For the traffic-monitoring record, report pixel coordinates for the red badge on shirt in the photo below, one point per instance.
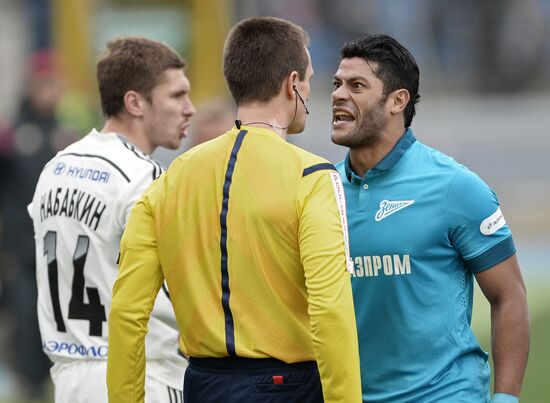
(278, 379)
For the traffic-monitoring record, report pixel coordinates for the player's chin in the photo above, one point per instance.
(339, 137)
(174, 144)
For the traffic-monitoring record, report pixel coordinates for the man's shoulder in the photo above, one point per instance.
(309, 161)
(459, 173)
(109, 151)
(434, 163)
(140, 163)
(424, 152)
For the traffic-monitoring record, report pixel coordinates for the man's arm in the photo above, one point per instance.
(332, 316)
(504, 288)
(139, 280)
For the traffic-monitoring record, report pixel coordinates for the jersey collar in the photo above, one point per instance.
(388, 162)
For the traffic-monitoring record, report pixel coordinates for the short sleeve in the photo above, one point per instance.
(476, 225)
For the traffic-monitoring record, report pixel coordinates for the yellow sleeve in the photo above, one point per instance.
(323, 251)
(139, 280)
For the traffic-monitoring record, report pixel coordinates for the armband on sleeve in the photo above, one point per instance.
(504, 398)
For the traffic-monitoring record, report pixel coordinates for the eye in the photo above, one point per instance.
(358, 85)
(335, 85)
(179, 94)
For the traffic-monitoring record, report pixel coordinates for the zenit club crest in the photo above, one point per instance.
(388, 207)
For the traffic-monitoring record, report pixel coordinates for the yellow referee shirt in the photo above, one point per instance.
(249, 232)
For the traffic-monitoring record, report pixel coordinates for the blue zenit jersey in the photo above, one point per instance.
(420, 226)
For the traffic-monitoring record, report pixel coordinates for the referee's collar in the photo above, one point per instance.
(388, 162)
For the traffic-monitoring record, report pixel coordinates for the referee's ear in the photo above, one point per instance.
(399, 100)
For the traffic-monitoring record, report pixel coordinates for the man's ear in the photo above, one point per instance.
(400, 99)
(290, 84)
(133, 103)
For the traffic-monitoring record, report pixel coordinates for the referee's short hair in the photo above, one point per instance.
(259, 53)
(132, 63)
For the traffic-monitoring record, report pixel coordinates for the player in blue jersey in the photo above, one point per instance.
(422, 226)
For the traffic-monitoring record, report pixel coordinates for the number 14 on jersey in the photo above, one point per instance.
(93, 311)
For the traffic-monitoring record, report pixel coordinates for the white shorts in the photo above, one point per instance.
(85, 382)
(158, 392)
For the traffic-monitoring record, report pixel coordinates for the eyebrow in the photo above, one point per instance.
(180, 92)
(352, 78)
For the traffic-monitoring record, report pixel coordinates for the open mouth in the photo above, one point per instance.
(342, 117)
(183, 130)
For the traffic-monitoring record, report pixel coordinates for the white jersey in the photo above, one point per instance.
(80, 208)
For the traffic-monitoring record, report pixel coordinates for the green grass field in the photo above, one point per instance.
(536, 387)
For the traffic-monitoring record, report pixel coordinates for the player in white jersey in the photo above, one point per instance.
(80, 208)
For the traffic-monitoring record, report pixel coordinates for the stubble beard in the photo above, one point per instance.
(368, 132)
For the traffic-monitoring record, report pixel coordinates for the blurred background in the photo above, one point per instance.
(485, 100)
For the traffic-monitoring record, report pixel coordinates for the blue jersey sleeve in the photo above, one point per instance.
(475, 223)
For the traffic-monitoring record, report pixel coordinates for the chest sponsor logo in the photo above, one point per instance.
(385, 265)
(492, 223)
(59, 168)
(388, 207)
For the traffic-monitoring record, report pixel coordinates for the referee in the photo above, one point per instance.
(250, 234)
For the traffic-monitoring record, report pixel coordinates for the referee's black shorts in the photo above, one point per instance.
(246, 380)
